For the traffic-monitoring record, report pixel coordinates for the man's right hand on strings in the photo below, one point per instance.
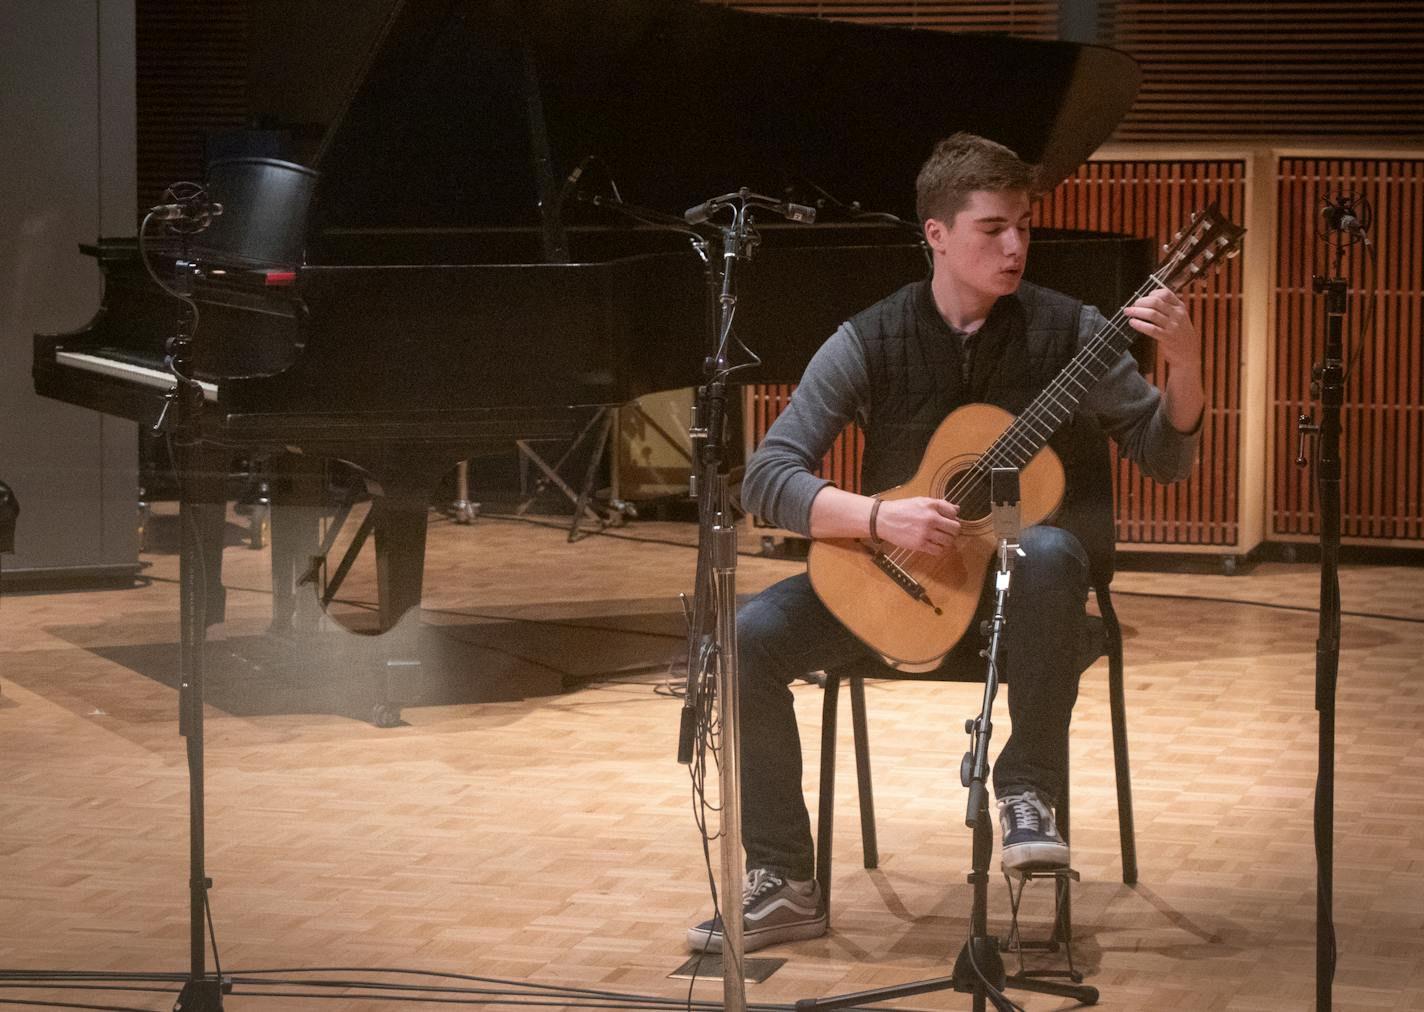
(922, 523)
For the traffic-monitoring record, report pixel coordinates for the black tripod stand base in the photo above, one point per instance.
(1081, 993)
(200, 995)
(964, 980)
(990, 964)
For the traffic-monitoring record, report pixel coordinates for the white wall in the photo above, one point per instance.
(67, 175)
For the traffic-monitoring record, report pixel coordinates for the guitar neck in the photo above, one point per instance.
(1035, 426)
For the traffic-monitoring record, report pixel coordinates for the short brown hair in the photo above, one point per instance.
(961, 164)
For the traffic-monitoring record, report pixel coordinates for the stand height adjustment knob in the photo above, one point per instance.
(1305, 426)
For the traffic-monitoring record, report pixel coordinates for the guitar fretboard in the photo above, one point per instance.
(1031, 430)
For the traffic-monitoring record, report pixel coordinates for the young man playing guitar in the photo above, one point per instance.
(972, 332)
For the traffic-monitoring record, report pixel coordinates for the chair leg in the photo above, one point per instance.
(1063, 898)
(825, 804)
(870, 849)
(1117, 704)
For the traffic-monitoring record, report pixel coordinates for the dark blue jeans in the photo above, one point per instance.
(785, 632)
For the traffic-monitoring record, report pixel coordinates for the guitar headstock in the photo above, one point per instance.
(1208, 238)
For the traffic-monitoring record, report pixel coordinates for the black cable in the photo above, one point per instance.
(706, 741)
(1368, 322)
(68, 1004)
(582, 997)
(530, 1002)
(997, 998)
(58, 986)
(514, 518)
(1266, 604)
(243, 975)
(153, 975)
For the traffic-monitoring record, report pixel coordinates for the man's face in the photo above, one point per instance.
(983, 250)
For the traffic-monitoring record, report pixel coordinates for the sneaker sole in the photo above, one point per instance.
(1035, 856)
(699, 940)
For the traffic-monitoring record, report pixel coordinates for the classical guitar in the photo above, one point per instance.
(912, 607)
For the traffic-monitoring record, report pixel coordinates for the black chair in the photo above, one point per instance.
(1087, 511)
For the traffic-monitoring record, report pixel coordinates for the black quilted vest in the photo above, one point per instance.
(917, 378)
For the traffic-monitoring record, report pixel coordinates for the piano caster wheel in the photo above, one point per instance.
(386, 715)
(144, 514)
(465, 511)
(620, 512)
(258, 527)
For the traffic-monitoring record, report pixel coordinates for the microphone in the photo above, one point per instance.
(798, 212)
(1339, 215)
(791, 212)
(571, 180)
(197, 209)
(697, 215)
(168, 212)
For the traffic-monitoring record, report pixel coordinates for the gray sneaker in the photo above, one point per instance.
(774, 910)
(1031, 839)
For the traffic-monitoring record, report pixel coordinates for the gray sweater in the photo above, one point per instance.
(779, 484)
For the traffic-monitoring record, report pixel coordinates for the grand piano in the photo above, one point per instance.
(473, 270)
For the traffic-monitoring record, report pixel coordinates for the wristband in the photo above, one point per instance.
(874, 509)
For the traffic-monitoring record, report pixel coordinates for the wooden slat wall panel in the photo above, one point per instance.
(763, 402)
(192, 80)
(1216, 70)
(1382, 439)
(1034, 19)
(1155, 198)
(1303, 68)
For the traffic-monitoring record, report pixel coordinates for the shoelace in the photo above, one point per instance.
(759, 882)
(1025, 812)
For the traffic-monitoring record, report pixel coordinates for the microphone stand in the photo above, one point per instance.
(182, 418)
(1328, 381)
(712, 661)
(979, 968)
(712, 636)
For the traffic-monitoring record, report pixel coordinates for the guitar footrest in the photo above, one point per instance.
(1060, 936)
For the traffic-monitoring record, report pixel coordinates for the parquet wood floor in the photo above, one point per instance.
(551, 839)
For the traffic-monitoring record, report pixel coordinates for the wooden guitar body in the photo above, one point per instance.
(905, 628)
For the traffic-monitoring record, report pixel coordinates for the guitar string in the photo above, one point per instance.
(975, 477)
(1014, 448)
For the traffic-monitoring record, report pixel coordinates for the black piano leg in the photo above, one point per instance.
(296, 527)
(400, 524)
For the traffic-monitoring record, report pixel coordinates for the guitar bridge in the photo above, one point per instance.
(903, 579)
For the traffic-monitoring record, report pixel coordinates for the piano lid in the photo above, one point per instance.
(470, 109)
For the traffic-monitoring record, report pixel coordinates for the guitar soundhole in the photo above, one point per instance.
(968, 488)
